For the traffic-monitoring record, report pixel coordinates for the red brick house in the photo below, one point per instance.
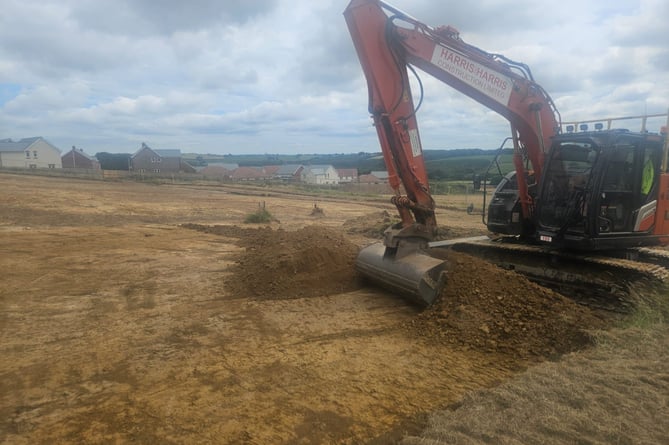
(347, 175)
(150, 160)
(76, 158)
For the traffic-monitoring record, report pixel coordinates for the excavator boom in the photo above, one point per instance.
(389, 43)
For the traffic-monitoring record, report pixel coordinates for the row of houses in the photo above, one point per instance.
(308, 174)
(36, 152)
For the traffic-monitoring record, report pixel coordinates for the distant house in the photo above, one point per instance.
(216, 171)
(381, 174)
(373, 184)
(271, 170)
(186, 167)
(150, 160)
(347, 175)
(249, 174)
(370, 179)
(320, 175)
(76, 158)
(35, 152)
(289, 173)
(226, 165)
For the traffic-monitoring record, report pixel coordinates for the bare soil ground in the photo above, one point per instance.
(146, 313)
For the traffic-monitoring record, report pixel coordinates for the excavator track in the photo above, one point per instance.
(598, 281)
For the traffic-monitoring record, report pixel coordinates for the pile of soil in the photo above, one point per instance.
(371, 225)
(482, 307)
(489, 309)
(374, 224)
(280, 264)
(239, 233)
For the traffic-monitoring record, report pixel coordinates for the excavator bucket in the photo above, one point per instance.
(411, 272)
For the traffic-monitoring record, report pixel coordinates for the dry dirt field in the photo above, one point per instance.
(153, 314)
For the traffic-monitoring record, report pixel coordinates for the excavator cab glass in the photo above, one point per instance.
(600, 191)
(567, 185)
(629, 186)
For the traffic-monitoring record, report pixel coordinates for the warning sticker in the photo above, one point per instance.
(415, 143)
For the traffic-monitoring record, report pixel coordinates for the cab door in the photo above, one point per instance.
(628, 191)
(644, 215)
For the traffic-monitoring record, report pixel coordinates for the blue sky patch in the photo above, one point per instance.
(8, 91)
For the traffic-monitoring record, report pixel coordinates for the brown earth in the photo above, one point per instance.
(309, 262)
(482, 307)
(145, 313)
(486, 308)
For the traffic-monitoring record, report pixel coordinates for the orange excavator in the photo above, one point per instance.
(575, 191)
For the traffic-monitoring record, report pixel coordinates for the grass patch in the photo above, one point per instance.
(262, 215)
(652, 307)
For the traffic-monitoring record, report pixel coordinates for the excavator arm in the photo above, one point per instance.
(392, 109)
(389, 44)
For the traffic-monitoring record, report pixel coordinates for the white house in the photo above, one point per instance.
(320, 175)
(33, 152)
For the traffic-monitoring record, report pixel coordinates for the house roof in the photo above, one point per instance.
(381, 174)
(226, 165)
(288, 169)
(8, 145)
(81, 152)
(346, 172)
(368, 179)
(320, 169)
(168, 153)
(248, 173)
(271, 169)
(216, 170)
(163, 153)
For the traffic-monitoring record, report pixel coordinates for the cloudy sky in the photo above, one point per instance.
(279, 76)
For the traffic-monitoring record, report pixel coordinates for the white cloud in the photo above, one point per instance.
(279, 76)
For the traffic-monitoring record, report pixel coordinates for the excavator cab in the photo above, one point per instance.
(599, 190)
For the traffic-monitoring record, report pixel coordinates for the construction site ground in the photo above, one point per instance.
(152, 313)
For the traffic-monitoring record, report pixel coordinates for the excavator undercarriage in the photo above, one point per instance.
(608, 281)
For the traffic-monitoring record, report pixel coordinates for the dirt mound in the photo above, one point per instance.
(312, 261)
(239, 233)
(374, 224)
(317, 212)
(482, 307)
(371, 225)
(486, 308)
